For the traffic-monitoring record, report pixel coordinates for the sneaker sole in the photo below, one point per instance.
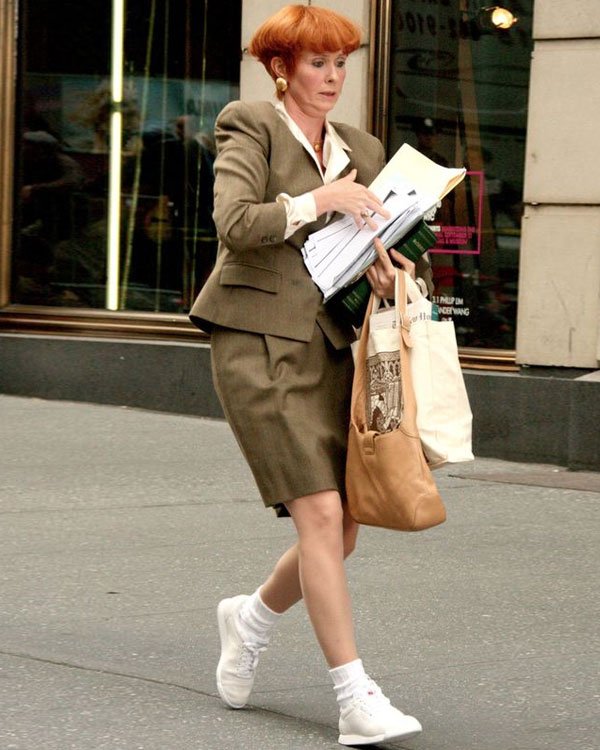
(361, 739)
(222, 637)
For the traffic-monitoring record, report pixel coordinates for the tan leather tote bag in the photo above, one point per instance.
(388, 482)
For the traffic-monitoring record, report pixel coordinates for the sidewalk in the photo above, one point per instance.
(120, 530)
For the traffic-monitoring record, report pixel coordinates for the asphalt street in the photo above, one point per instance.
(121, 529)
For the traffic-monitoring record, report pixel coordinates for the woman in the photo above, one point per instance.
(281, 363)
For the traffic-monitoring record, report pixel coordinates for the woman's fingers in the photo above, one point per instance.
(377, 205)
(404, 263)
(365, 217)
(366, 214)
(381, 283)
(360, 202)
(382, 255)
(349, 197)
(369, 221)
(373, 203)
(351, 176)
(381, 275)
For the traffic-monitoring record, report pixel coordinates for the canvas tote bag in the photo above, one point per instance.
(388, 482)
(444, 417)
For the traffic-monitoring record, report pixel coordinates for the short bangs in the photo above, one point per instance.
(298, 28)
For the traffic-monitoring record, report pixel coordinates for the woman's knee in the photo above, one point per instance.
(321, 513)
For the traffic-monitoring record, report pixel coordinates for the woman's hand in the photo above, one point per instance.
(382, 274)
(349, 197)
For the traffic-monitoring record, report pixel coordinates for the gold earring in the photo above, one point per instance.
(281, 84)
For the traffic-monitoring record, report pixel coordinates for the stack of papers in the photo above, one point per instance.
(409, 185)
(341, 252)
(430, 180)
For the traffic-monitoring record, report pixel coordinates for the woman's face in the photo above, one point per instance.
(317, 81)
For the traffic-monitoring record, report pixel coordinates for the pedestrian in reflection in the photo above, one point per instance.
(426, 131)
(281, 363)
(49, 178)
(426, 135)
(196, 215)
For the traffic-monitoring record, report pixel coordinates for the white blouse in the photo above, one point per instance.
(302, 209)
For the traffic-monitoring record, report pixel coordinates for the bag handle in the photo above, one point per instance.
(377, 301)
(400, 303)
(416, 289)
(358, 402)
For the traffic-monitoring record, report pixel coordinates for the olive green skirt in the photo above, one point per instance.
(288, 404)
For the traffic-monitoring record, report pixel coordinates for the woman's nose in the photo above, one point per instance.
(332, 73)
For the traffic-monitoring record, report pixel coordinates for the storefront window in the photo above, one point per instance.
(115, 148)
(458, 92)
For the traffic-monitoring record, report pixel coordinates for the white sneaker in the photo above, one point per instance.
(371, 718)
(237, 665)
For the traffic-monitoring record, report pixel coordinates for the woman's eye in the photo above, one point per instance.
(318, 63)
(340, 63)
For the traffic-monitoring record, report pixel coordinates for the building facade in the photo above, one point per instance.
(106, 234)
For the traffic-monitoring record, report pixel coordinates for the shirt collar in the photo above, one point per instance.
(335, 136)
(334, 147)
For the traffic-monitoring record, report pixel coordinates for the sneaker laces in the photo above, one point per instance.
(249, 658)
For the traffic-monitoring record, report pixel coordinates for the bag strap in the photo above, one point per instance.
(358, 402)
(422, 286)
(358, 415)
(416, 289)
(400, 303)
(409, 416)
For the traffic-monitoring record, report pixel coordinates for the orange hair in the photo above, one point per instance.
(296, 28)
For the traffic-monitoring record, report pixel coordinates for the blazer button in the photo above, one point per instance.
(264, 239)
(273, 238)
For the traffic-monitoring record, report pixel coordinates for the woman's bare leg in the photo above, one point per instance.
(314, 570)
(313, 567)
(282, 588)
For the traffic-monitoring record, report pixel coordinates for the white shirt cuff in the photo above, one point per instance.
(299, 211)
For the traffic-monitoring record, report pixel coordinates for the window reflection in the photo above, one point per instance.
(458, 93)
(181, 68)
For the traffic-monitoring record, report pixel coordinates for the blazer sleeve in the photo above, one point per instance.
(244, 222)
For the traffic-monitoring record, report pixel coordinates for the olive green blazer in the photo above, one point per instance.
(260, 283)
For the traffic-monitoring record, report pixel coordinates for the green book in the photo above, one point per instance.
(350, 303)
(418, 241)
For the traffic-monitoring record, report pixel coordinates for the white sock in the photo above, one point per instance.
(257, 620)
(347, 680)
